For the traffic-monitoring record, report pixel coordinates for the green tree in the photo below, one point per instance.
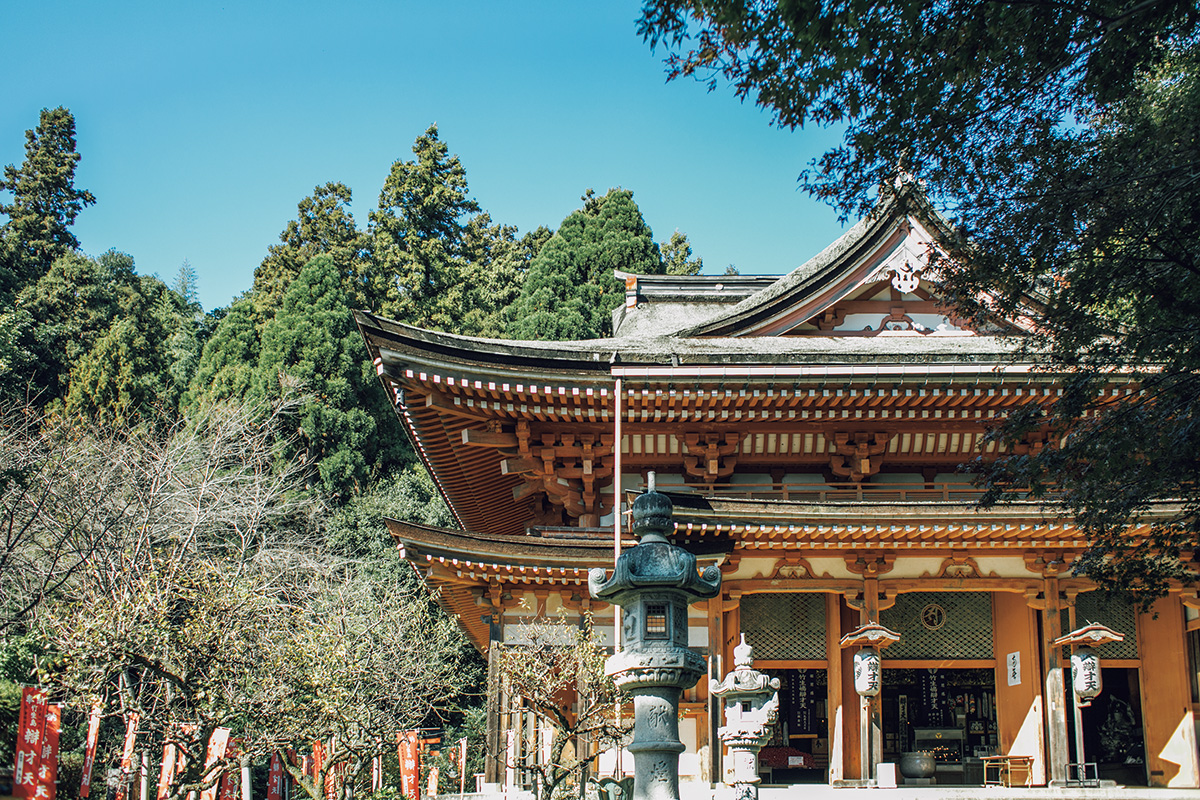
(1060, 141)
(497, 263)
(183, 316)
(228, 363)
(419, 237)
(126, 372)
(677, 256)
(75, 304)
(357, 530)
(45, 201)
(323, 226)
(570, 290)
(311, 343)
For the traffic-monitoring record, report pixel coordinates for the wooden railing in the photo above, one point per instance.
(961, 492)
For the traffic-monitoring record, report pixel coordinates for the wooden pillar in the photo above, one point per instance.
(851, 753)
(1167, 717)
(1018, 685)
(836, 713)
(1054, 690)
(716, 669)
(493, 764)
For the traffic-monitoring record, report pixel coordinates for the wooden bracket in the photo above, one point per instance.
(791, 567)
(857, 455)
(870, 565)
(730, 564)
(1049, 563)
(709, 456)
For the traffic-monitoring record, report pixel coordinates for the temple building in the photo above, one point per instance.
(810, 431)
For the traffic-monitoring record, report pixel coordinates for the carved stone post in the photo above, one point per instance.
(654, 583)
(751, 707)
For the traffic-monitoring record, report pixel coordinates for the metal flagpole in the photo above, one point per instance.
(618, 392)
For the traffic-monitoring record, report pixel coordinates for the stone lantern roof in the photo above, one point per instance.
(655, 563)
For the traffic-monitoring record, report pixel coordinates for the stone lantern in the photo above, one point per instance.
(654, 583)
(751, 707)
(1085, 676)
(868, 671)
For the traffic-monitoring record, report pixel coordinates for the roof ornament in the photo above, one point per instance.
(906, 278)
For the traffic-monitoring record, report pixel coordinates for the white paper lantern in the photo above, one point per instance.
(866, 672)
(1085, 675)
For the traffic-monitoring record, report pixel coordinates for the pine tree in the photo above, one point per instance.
(228, 363)
(570, 291)
(311, 343)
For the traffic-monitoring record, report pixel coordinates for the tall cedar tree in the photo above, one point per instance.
(44, 202)
(570, 291)
(1061, 139)
(419, 237)
(323, 226)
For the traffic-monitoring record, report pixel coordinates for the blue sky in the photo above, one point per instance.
(201, 125)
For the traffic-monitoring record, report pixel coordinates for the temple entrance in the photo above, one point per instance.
(798, 751)
(1112, 728)
(950, 713)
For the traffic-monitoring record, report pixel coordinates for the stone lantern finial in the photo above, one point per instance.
(743, 655)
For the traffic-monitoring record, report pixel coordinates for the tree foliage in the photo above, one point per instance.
(323, 226)
(45, 201)
(570, 291)
(311, 343)
(1061, 142)
(419, 235)
(677, 256)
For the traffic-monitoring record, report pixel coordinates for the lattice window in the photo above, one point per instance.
(787, 625)
(1115, 612)
(940, 625)
(656, 620)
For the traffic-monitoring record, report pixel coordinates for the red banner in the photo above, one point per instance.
(231, 779)
(47, 773)
(167, 773)
(89, 751)
(410, 765)
(31, 725)
(216, 751)
(318, 761)
(275, 778)
(131, 725)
